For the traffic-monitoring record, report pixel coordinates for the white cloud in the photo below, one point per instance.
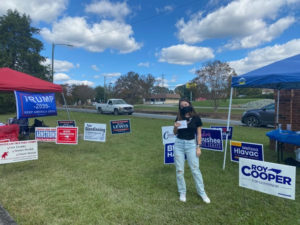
(264, 56)
(111, 74)
(193, 70)
(39, 10)
(265, 35)
(77, 65)
(80, 82)
(174, 79)
(59, 65)
(107, 9)
(185, 54)
(96, 76)
(94, 67)
(167, 8)
(61, 77)
(243, 20)
(162, 82)
(94, 37)
(145, 64)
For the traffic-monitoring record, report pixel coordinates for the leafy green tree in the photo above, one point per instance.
(19, 50)
(82, 93)
(216, 76)
(133, 88)
(99, 94)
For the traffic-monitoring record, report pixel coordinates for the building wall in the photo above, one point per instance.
(289, 112)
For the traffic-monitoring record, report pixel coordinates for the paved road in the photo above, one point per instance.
(159, 116)
(198, 107)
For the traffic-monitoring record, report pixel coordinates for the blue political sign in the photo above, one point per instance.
(211, 139)
(120, 126)
(169, 153)
(246, 150)
(35, 104)
(224, 129)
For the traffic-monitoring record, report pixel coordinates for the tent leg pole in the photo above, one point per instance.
(228, 122)
(65, 103)
(277, 117)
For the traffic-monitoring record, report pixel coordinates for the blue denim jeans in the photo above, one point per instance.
(188, 148)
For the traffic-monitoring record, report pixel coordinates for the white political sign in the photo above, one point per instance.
(167, 134)
(18, 151)
(95, 132)
(270, 178)
(183, 124)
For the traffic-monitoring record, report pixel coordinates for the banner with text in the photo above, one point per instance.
(18, 151)
(120, 126)
(224, 129)
(212, 139)
(66, 123)
(35, 104)
(246, 150)
(270, 178)
(94, 132)
(45, 134)
(169, 153)
(167, 134)
(67, 135)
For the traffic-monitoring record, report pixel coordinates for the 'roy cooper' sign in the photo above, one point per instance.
(270, 178)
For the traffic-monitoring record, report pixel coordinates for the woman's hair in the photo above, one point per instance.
(193, 112)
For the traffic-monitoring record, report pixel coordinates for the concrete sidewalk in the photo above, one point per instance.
(5, 218)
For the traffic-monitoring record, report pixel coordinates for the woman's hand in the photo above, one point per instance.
(198, 151)
(177, 124)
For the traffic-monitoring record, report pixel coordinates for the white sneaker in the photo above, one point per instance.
(205, 199)
(182, 197)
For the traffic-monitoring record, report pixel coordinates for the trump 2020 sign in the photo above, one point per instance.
(35, 104)
(270, 178)
(211, 139)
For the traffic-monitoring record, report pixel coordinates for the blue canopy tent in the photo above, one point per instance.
(283, 74)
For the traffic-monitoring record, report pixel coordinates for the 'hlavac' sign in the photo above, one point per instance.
(35, 104)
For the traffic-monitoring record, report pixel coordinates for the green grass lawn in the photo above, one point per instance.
(124, 181)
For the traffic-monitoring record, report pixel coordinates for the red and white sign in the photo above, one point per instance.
(67, 135)
(4, 140)
(18, 151)
(45, 134)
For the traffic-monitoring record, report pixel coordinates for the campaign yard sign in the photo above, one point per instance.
(212, 139)
(270, 178)
(94, 132)
(67, 135)
(167, 134)
(18, 151)
(45, 134)
(246, 150)
(35, 104)
(224, 129)
(169, 153)
(120, 126)
(66, 123)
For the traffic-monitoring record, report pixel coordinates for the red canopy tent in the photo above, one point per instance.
(12, 80)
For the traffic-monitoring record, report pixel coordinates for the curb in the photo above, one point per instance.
(5, 218)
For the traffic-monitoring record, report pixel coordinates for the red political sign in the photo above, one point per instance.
(67, 135)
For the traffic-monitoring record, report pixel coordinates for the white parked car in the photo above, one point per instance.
(115, 106)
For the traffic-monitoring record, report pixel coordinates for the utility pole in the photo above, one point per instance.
(162, 80)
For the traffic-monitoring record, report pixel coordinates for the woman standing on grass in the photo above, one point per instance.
(185, 144)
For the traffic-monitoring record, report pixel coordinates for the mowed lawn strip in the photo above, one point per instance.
(124, 181)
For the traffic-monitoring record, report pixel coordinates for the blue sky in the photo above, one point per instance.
(172, 38)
